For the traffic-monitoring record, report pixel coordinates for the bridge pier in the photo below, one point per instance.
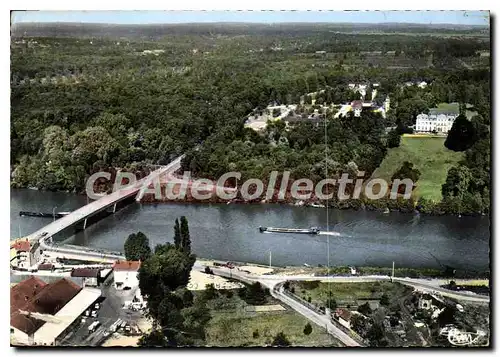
(114, 208)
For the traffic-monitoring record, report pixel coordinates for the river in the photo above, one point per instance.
(230, 232)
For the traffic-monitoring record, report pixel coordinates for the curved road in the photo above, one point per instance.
(273, 282)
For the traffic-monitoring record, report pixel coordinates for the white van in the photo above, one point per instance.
(93, 326)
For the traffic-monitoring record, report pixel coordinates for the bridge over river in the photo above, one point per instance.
(44, 235)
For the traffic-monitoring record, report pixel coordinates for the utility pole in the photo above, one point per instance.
(392, 271)
(270, 259)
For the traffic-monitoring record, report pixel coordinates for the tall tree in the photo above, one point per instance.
(137, 247)
(177, 234)
(185, 238)
(462, 135)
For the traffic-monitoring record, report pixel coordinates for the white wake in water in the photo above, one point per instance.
(336, 234)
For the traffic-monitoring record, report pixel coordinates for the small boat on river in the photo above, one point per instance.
(312, 230)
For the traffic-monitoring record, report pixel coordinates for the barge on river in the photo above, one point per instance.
(312, 230)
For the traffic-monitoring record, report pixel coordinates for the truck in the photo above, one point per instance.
(93, 326)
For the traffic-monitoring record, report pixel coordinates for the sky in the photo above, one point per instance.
(154, 17)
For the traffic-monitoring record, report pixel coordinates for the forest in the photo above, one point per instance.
(82, 104)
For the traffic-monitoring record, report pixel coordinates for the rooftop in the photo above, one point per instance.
(127, 265)
(85, 273)
(344, 314)
(21, 245)
(39, 297)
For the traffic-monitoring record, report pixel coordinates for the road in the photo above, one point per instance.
(110, 311)
(273, 282)
(274, 285)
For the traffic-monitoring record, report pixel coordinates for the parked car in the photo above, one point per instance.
(97, 306)
(94, 313)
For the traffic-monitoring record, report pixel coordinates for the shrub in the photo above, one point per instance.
(307, 329)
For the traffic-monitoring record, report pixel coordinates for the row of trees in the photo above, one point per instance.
(179, 319)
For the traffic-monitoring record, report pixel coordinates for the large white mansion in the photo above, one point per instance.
(439, 122)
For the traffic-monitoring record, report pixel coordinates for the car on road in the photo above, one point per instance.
(93, 326)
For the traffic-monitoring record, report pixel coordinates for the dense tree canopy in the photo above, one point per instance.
(137, 247)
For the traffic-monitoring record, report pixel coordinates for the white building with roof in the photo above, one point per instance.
(126, 274)
(440, 123)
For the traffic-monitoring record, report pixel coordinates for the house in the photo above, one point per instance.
(435, 121)
(425, 302)
(387, 104)
(90, 276)
(344, 317)
(20, 253)
(422, 85)
(357, 106)
(42, 313)
(125, 274)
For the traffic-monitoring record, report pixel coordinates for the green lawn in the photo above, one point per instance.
(428, 155)
(348, 292)
(232, 325)
(454, 107)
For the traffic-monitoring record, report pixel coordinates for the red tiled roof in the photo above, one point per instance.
(127, 265)
(23, 291)
(48, 299)
(21, 245)
(344, 314)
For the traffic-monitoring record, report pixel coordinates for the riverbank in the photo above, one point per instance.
(480, 278)
(447, 207)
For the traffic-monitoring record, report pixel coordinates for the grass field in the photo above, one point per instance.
(348, 292)
(233, 325)
(428, 155)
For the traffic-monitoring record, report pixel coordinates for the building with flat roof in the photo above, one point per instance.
(41, 313)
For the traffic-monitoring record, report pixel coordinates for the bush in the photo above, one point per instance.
(208, 270)
(255, 334)
(365, 309)
(210, 292)
(280, 340)
(308, 329)
(384, 300)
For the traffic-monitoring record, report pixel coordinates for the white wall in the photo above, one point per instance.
(126, 278)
